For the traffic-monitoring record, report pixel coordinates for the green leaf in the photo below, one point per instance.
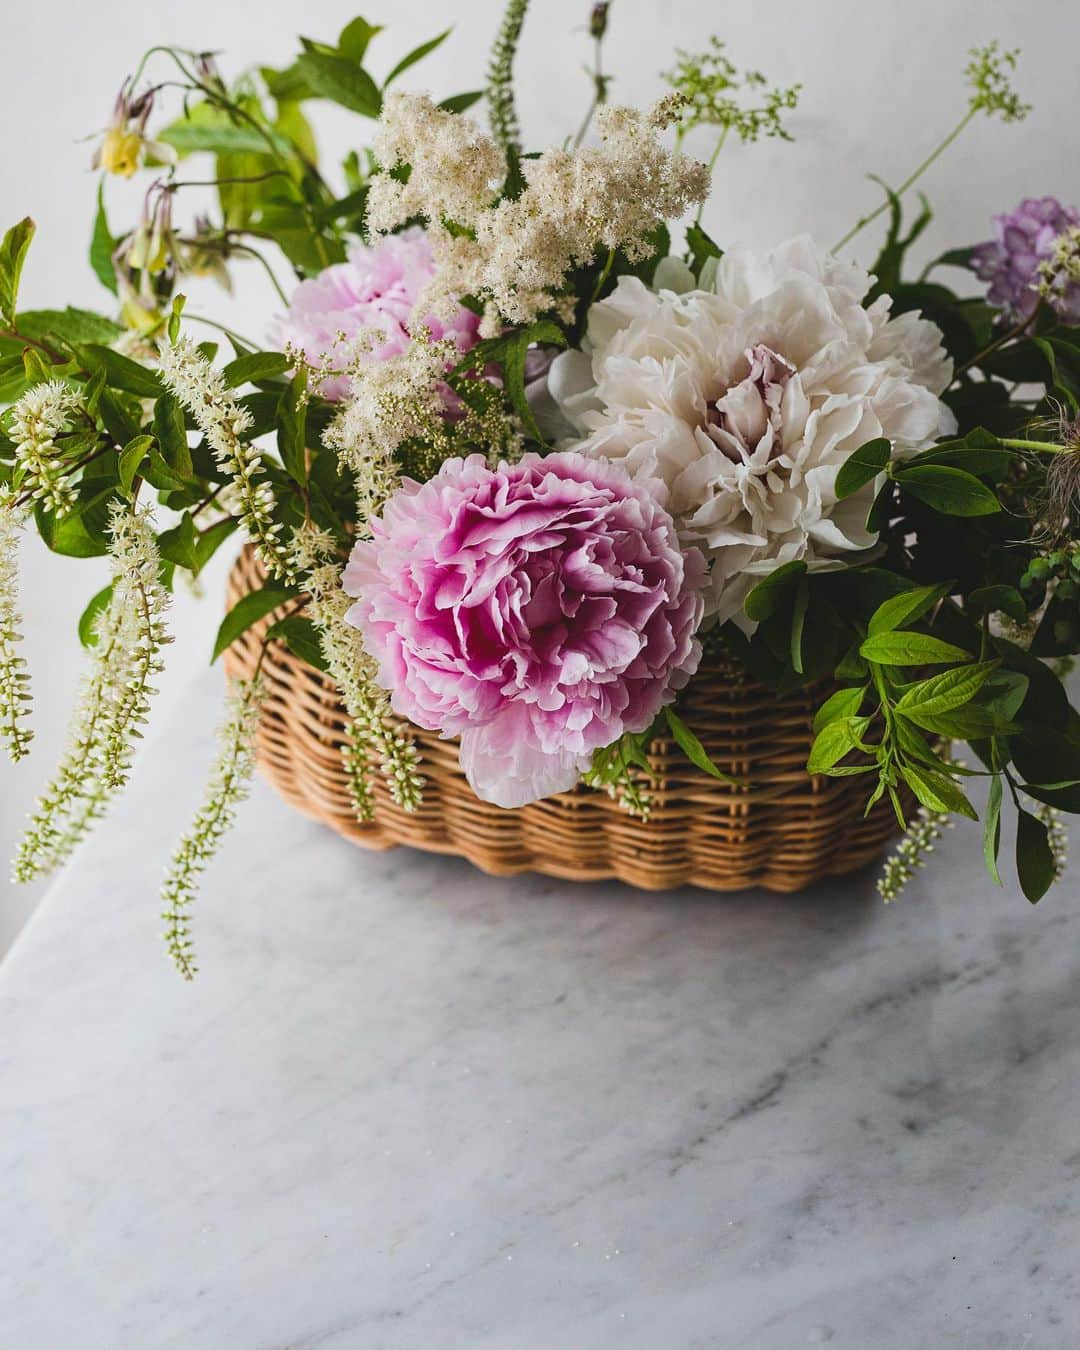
(249, 610)
(910, 649)
(913, 743)
(171, 435)
(949, 689)
(88, 618)
(251, 369)
(692, 748)
(417, 54)
(1043, 755)
(292, 423)
(178, 545)
(798, 623)
(130, 458)
(1005, 692)
(862, 466)
(701, 246)
(1034, 856)
(971, 722)
(835, 739)
(211, 539)
(103, 245)
(355, 38)
(768, 595)
(302, 638)
(73, 325)
(937, 791)
(844, 703)
(1064, 378)
(121, 371)
(342, 81)
(905, 607)
(84, 531)
(207, 128)
(951, 492)
(992, 829)
(13, 249)
(990, 599)
(459, 103)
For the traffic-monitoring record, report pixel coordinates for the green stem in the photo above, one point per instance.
(1017, 329)
(712, 165)
(908, 182)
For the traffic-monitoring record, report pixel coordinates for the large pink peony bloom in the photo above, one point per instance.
(537, 610)
(376, 288)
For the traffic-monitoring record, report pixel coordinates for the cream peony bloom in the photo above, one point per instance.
(745, 391)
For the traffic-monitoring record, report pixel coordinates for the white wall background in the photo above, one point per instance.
(881, 83)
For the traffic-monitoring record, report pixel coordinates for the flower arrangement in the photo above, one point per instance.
(512, 455)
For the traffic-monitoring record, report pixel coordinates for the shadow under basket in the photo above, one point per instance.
(778, 828)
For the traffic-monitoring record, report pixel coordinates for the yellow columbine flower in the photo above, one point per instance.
(120, 152)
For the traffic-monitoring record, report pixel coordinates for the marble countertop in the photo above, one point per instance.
(407, 1106)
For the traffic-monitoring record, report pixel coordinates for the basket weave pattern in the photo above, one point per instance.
(779, 828)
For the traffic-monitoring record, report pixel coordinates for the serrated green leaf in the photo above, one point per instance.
(1034, 856)
(692, 748)
(905, 607)
(937, 791)
(947, 690)
(843, 703)
(950, 491)
(835, 740)
(910, 649)
(248, 610)
(862, 466)
(13, 249)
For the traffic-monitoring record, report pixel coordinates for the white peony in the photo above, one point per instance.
(745, 391)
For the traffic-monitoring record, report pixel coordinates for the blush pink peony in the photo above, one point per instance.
(376, 288)
(537, 611)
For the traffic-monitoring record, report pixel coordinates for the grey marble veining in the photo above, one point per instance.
(409, 1107)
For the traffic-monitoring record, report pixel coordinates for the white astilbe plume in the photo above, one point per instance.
(113, 702)
(390, 403)
(14, 678)
(576, 201)
(374, 733)
(37, 418)
(201, 388)
(229, 785)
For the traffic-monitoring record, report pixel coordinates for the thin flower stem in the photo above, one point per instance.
(712, 165)
(909, 181)
(1016, 331)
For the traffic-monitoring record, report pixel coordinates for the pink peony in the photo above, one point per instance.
(537, 610)
(376, 288)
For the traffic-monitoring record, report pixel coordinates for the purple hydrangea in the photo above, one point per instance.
(537, 610)
(1023, 239)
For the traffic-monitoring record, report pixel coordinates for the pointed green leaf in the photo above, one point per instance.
(13, 250)
(88, 618)
(937, 791)
(342, 81)
(862, 466)
(773, 590)
(910, 649)
(904, 608)
(355, 39)
(835, 739)
(949, 689)
(844, 703)
(692, 748)
(257, 366)
(130, 458)
(292, 428)
(417, 54)
(1034, 856)
(102, 245)
(178, 545)
(302, 638)
(248, 610)
(992, 829)
(952, 492)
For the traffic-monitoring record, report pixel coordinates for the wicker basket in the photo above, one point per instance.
(782, 831)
